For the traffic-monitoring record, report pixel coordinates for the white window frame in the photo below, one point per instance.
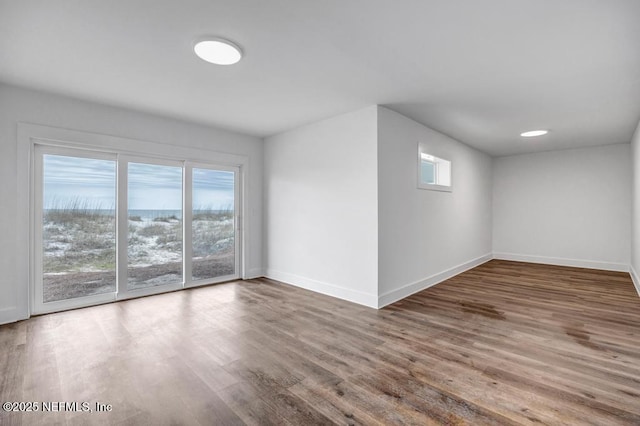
(123, 237)
(188, 254)
(38, 305)
(422, 151)
(91, 145)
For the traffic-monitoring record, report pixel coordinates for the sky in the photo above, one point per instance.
(92, 182)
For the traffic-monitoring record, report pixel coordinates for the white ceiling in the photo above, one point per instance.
(480, 71)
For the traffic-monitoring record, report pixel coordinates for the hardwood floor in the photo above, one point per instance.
(504, 343)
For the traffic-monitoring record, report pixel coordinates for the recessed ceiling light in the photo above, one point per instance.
(218, 51)
(533, 133)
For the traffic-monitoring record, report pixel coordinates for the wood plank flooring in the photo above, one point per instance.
(505, 343)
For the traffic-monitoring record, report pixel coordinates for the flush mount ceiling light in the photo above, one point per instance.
(534, 133)
(218, 51)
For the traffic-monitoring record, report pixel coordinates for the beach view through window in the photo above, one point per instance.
(154, 248)
(78, 227)
(213, 231)
(79, 250)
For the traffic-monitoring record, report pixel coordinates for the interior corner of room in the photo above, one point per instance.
(335, 207)
(361, 212)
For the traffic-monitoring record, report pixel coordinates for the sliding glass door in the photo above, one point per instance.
(109, 227)
(77, 226)
(213, 224)
(154, 224)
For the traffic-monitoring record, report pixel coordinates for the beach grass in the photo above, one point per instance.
(79, 245)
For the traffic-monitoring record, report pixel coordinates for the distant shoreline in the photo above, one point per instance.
(148, 213)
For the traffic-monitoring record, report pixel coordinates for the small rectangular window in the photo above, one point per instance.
(433, 172)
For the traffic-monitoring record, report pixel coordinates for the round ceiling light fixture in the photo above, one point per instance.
(218, 51)
(534, 133)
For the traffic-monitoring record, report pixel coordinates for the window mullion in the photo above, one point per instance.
(122, 228)
(187, 227)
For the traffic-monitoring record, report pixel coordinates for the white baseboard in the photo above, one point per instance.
(254, 273)
(9, 315)
(635, 278)
(411, 288)
(559, 261)
(361, 298)
(371, 300)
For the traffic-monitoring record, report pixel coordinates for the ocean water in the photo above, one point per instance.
(153, 214)
(146, 214)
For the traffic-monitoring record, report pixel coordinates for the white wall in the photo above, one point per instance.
(22, 105)
(321, 207)
(343, 215)
(564, 207)
(427, 236)
(635, 212)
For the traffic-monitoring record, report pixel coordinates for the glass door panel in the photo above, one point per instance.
(78, 227)
(154, 249)
(213, 224)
